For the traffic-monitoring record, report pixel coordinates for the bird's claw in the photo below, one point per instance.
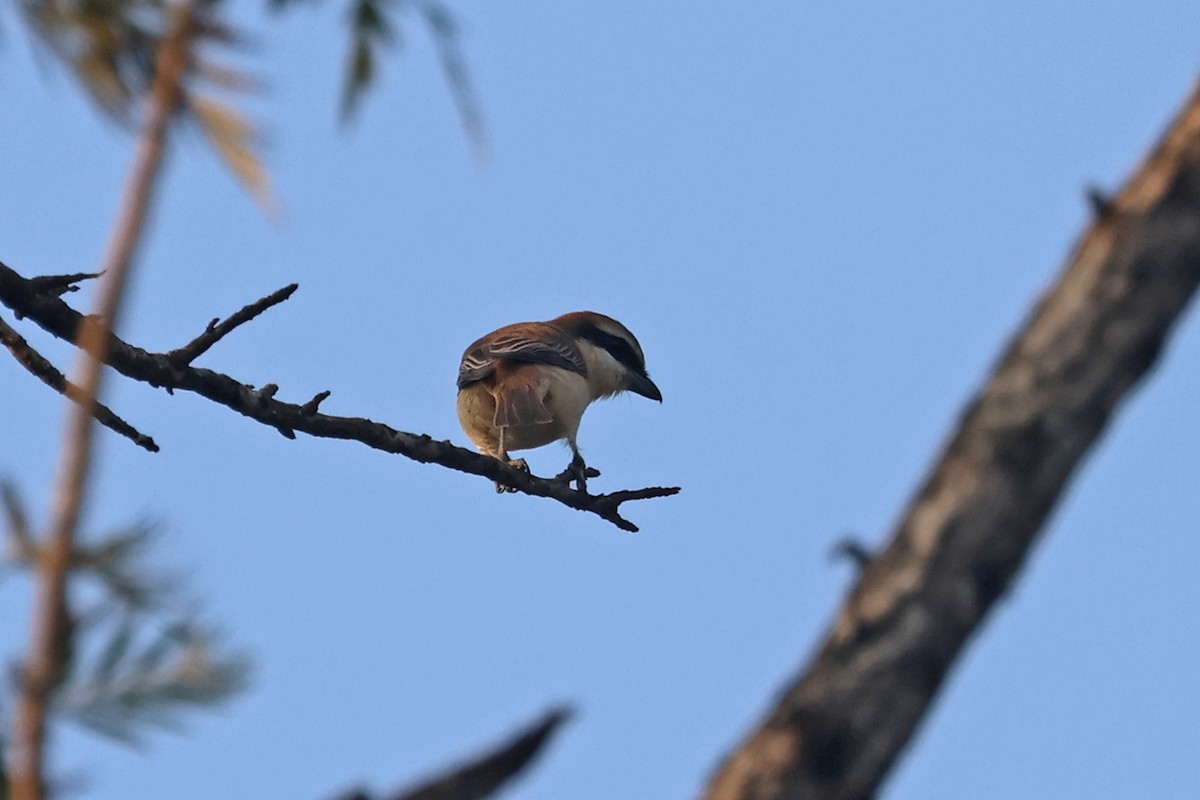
(518, 463)
(577, 472)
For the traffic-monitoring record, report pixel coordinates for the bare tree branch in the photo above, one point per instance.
(851, 549)
(62, 284)
(837, 730)
(215, 332)
(43, 370)
(158, 369)
(484, 775)
(312, 405)
(52, 619)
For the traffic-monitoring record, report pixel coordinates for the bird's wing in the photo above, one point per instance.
(528, 342)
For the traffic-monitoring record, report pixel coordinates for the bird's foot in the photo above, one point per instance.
(520, 464)
(577, 472)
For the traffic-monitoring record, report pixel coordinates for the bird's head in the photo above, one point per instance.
(615, 359)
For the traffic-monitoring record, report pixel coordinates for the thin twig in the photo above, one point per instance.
(43, 661)
(60, 284)
(483, 776)
(156, 369)
(215, 332)
(608, 506)
(43, 370)
(312, 405)
(851, 549)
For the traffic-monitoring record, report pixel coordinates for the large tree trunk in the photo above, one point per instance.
(838, 729)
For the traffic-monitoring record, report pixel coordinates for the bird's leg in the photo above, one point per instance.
(577, 471)
(519, 463)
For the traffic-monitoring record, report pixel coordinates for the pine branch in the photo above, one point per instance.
(45, 657)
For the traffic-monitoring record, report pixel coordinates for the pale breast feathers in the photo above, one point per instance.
(528, 342)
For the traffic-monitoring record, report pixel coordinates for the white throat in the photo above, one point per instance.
(606, 375)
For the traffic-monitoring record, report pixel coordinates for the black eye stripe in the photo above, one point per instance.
(617, 346)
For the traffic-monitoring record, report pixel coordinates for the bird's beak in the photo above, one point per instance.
(641, 384)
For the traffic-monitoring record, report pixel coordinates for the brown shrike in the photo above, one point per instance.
(528, 384)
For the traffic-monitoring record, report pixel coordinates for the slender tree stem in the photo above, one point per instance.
(51, 629)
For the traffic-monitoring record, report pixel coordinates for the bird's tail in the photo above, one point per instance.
(520, 402)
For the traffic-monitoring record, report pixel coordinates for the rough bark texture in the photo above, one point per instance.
(838, 729)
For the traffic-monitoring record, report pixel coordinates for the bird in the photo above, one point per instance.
(527, 384)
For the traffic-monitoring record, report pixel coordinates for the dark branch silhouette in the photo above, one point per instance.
(838, 728)
(47, 373)
(851, 549)
(173, 370)
(217, 330)
(482, 776)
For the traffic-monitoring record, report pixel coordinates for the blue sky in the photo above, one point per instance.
(822, 222)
